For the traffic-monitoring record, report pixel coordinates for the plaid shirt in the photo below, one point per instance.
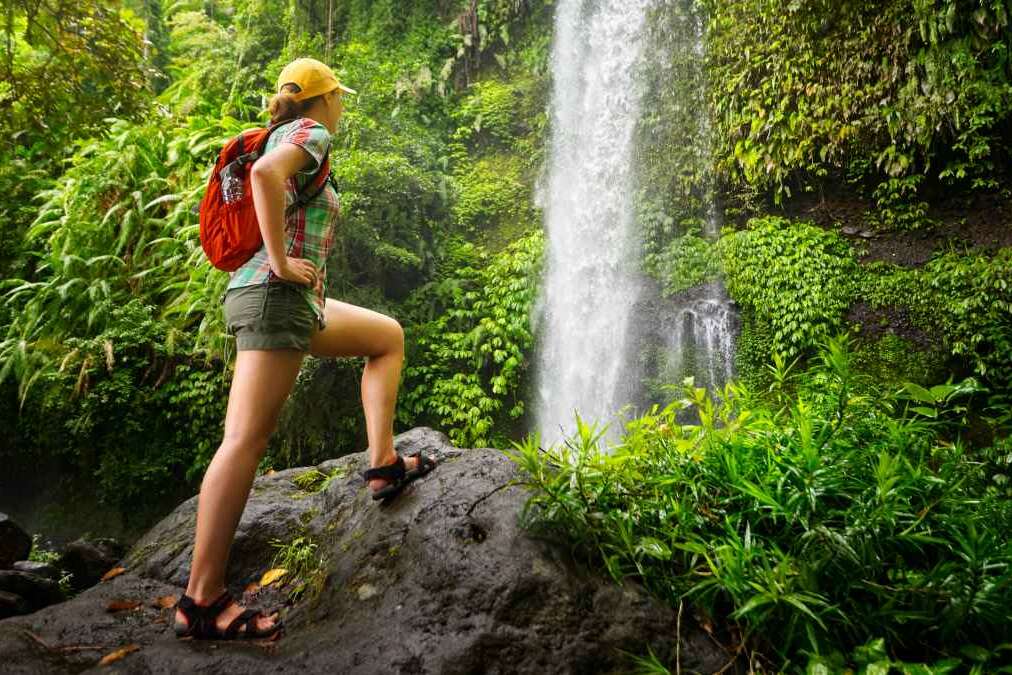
(309, 232)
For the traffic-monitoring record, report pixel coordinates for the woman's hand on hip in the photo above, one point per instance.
(297, 270)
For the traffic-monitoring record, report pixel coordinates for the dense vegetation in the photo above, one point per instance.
(109, 309)
(826, 523)
(827, 511)
(900, 95)
(850, 508)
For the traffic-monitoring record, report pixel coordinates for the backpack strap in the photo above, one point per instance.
(312, 189)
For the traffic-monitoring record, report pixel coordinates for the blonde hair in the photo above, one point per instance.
(283, 106)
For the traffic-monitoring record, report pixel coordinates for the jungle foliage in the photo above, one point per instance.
(471, 351)
(832, 524)
(109, 311)
(797, 281)
(812, 510)
(916, 91)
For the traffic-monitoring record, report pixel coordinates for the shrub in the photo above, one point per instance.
(806, 88)
(486, 114)
(793, 276)
(490, 193)
(470, 356)
(967, 298)
(130, 410)
(814, 523)
(687, 261)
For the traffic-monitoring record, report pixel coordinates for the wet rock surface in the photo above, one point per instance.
(441, 580)
(36, 591)
(15, 543)
(88, 560)
(39, 569)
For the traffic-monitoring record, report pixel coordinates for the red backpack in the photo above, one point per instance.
(229, 231)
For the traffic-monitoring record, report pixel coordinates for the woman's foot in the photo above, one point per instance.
(387, 477)
(410, 464)
(261, 624)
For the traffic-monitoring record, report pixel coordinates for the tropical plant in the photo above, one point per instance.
(472, 341)
(792, 276)
(813, 522)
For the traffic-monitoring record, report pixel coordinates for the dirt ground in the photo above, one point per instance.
(978, 223)
(970, 223)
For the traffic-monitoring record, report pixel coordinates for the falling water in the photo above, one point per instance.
(698, 331)
(590, 280)
(597, 316)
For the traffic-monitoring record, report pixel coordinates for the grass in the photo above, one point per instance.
(307, 569)
(314, 481)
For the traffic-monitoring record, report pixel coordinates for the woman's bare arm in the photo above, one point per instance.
(268, 177)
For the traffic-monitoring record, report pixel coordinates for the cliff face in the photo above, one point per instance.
(442, 580)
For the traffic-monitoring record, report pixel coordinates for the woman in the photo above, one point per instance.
(275, 307)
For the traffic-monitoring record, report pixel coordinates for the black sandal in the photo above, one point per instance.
(398, 475)
(200, 619)
(425, 465)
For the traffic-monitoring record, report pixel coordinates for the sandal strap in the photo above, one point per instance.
(424, 466)
(422, 459)
(392, 472)
(247, 618)
(193, 612)
(200, 619)
(220, 604)
(188, 607)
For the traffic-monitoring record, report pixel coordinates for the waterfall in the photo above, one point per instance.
(590, 281)
(604, 331)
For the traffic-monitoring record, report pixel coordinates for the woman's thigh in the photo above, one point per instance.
(261, 383)
(355, 331)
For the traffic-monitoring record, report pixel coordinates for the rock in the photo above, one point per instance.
(15, 543)
(443, 581)
(12, 604)
(37, 592)
(867, 234)
(850, 230)
(88, 561)
(39, 569)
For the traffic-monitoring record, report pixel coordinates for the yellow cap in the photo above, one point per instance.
(312, 77)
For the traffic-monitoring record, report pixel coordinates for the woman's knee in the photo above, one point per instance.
(246, 443)
(394, 335)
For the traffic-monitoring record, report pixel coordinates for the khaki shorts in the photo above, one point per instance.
(269, 316)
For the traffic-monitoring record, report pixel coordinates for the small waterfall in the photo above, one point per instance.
(698, 329)
(591, 280)
(699, 339)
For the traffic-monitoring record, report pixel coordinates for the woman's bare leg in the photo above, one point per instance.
(355, 331)
(261, 383)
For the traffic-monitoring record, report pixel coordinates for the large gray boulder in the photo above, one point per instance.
(442, 580)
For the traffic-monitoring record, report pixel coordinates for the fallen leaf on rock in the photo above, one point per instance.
(165, 601)
(270, 576)
(114, 572)
(112, 657)
(122, 605)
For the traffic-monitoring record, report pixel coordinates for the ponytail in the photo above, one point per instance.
(284, 108)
